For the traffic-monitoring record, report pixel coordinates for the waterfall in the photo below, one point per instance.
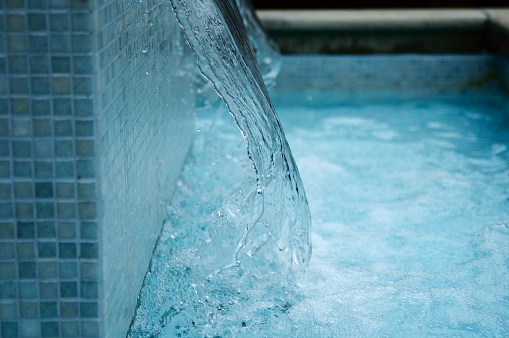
(265, 221)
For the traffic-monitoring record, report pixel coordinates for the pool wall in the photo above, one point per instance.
(95, 122)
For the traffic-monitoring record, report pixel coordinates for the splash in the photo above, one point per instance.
(264, 225)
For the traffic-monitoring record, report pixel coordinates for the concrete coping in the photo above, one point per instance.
(371, 20)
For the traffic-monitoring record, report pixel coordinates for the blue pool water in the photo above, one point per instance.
(410, 212)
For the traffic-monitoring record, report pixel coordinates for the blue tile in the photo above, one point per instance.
(40, 85)
(5, 170)
(58, 4)
(47, 249)
(6, 230)
(27, 270)
(8, 310)
(82, 65)
(48, 270)
(14, 4)
(68, 270)
(5, 190)
(7, 271)
(89, 270)
(41, 107)
(64, 169)
(50, 329)
(48, 290)
(66, 230)
(4, 123)
(4, 148)
(89, 329)
(81, 43)
(9, 329)
(37, 22)
(24, 210)
(18, 64)
(67, 250)
(39, 64)
(43, 169)
(61, 64)
(87, 210)
(27, 290)
(64, 148)
(46, 229)
(83, 108)
(62, 107)
(60, 43)
(70, 329)
(69, 309)
(84, 128)
(26, 230)
(48, 309)
(85, 148)
(23, 190)
(45, 209)
(8, 290)
(7, 251)
(43, 148)
(86, 191)
(6, 210)
(30, 328)
(38, 44)
(89, 250)
(59, 22)
(17, 43)
(22, 169)
(19, 85)
(88, 310)
(44, 190)
(29, 309)
(89, 290)
(21, 127)
(63, 127)
(61, 85)
(65, 190)
(68, 289)
(26, 250)
(42, 127)
(81, 22)
(20, 106)
(15, 22)
(37, 4)
(66, 210)
(21, 148)
(85, 169)
(82, 86)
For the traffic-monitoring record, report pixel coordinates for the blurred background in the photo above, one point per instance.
(359, 4)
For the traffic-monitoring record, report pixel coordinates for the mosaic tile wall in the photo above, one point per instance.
(91, 138)
(407, 74)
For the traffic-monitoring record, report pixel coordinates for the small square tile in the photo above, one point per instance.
(69, 309)
(21, 127)
(68, 289)
(45, 209)
(64, 148)
(89, 270)
(83, 107)
(39, 64)
(62, 107)
(47, 249)
(61, 64)
(18, 4)
(64, 169)
(7, 251)
(6, 210)
(43, 169)
(48, 270)
(88, 310)
(27, 290)
(21, 148)
(37, 22)
(81, 43)
(9, 329)
(22, 169)
(61, 85)
(29, 309)
(84, 148)
(89, 329)
(26, 250)
(48, 309)
(5, 191)
(50, 329)
(37, 4)
(48, 290)
(20, 106)
(6, 230)
(15, 22)
(66, 230)
(82, 85)
(42, 127)
(89, 250)
(26, 230)
(19, 85)
(63, 127)
(41, 107)
(8, 310)
(85, 169)
(38, 44)
(67, 250)
(5, 170)
(7, 270)
(87, 210)
(66, 210)
(17, 43)
(43, 148)
(27, 270)
(59, 22)
(65, 190)
(60, 43)
(86, 191)
(30, 328)
(70, 329)
(68, 270)
(4, 148)
(84, 128)
(46, 229)
(89, 290)
(40, 85)
(18, 64)
(44, 190)
(82, 65)
(8, 290)
(4, 123)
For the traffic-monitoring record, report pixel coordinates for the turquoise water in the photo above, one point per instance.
(410, 206)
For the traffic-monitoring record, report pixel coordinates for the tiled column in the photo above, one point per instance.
(94, 125)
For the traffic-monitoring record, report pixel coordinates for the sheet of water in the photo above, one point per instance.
(410, 206)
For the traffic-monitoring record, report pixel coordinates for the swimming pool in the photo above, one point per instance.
(407, 189)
